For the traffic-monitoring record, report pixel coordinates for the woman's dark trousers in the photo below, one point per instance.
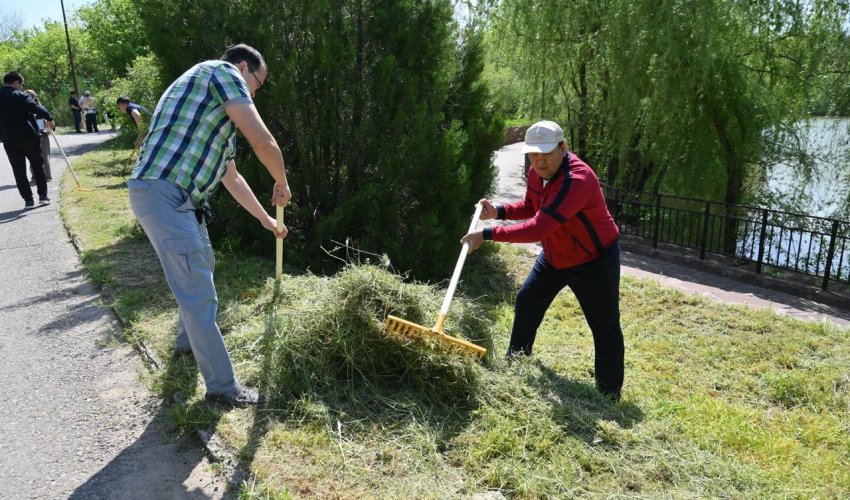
(596, 286)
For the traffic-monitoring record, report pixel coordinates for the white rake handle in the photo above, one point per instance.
(56, 140)
(444, 310)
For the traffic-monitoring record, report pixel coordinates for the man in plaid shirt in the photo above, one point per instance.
(188, 151)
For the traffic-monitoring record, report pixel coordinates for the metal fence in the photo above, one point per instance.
(812, 246)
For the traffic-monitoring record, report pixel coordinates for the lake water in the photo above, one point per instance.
(821, 188)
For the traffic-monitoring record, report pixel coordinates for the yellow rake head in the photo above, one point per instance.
(404, 328)
(408, 329)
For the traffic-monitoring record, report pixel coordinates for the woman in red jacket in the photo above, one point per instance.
(565, 210)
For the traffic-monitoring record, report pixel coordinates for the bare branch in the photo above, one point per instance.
(11, 23)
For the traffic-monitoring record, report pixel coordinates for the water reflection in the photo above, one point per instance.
(817, 183)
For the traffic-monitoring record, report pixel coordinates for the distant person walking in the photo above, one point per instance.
(566, 211)
(76, 110)
(87, 103)
(45, 142)
(136, 113)
(21, 136)
(189, 151)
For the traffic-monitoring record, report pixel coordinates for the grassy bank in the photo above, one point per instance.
(719, 400)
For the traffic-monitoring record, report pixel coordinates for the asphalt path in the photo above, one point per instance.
(75, 420)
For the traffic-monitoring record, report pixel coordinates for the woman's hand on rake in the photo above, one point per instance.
(475, 239)
(488, 210)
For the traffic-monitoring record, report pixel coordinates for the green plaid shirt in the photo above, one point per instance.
(191, 138)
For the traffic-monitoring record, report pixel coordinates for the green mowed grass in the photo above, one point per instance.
(719, 400)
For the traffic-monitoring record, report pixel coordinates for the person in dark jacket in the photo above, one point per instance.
(22, 136)
(45, 143)
(565, 210)
(76, 110)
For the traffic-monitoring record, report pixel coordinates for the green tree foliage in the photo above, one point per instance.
(669, 95)
(378, 107)
(108, 42)
(41, 56)
(116, 31)
(143, 85)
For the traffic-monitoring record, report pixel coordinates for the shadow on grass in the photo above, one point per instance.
(117, 167)
(578, 406)
(369, 406)
(120, 185)
(262, 418)
(119, 142)
(488, 278)
(362, 402)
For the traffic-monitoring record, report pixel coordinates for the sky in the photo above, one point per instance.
(33, 11)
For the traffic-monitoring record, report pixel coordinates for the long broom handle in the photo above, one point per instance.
(56, 140)
(279, 245)
(444, 310)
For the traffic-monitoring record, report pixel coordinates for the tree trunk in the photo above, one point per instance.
(582, 110)
(734, 183)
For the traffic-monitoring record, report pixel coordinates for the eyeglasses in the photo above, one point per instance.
(259, 83)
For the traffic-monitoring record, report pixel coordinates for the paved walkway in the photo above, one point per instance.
(75, 421)
(511, 187)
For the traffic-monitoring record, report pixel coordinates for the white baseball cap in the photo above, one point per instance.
(542, 137)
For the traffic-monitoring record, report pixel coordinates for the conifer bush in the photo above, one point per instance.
(379, 108)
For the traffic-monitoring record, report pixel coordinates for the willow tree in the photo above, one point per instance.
(552, 51)
(378, 106)
(670, 95)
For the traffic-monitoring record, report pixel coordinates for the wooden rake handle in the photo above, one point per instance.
(279, 246)
(444, 310)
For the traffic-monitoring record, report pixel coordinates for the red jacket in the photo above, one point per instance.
(568, 215)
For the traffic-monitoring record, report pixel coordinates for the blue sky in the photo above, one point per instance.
(33, 11)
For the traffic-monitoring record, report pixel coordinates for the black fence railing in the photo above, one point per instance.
(799, 243)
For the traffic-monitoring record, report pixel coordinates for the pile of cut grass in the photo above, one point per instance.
(332, 336)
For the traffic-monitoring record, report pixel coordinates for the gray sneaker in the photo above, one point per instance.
(241, 397)
(29, 204)
(43, 200)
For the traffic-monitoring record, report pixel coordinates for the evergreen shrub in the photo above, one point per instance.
(379, 109)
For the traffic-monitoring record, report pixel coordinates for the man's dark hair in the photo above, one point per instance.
(242, 52)
(122, 100)
(12, 77)
(73, 92)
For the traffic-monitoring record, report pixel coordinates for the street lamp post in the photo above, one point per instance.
(70, 53)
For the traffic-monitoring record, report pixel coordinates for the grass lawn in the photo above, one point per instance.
(719, 401)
